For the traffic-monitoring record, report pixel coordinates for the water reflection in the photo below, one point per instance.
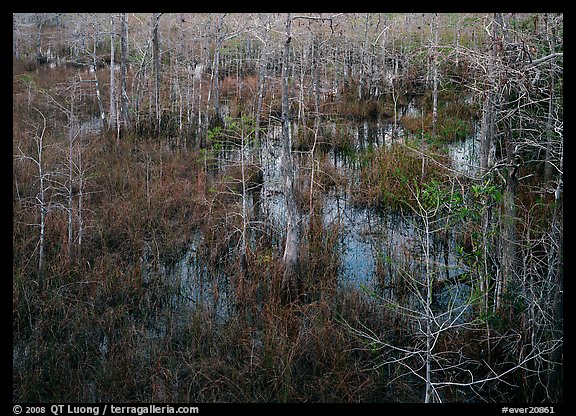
(465, 154)
(378, 248)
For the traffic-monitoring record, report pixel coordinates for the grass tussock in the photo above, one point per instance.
(387, 176)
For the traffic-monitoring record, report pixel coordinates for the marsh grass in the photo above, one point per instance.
(387, 174)
(100, 331)
(104, 329)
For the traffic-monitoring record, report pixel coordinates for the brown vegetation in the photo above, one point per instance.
(146, 269)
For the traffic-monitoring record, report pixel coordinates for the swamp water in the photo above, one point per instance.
(375, 246)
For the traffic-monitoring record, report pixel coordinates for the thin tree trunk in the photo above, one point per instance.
(42, 201)
(316, 74)
(216, 72)
(39, 57)
(156, 66)
(509, 219)
(362, 60)
(487, 131)
(301, 116)
(435, 76)
(549, 124)
(422, 148)
(112, 116)
(216, 82)
(15, 39)
(97, 87)
(316, 65)
(428, 312)
(80, 200)
(124, 71)
(70, 177)
(244, 247)
(556, 279)
(488, 118)
(42, 233)
(261, 80)
(199, 135)
(458, 36)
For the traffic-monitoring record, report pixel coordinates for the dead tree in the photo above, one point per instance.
(124, 117)
(41, 199)
(435, 75)
(290, 258)
(112, 117)
(262, 76)
(156, 67)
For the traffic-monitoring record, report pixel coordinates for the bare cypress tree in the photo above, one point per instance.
(215, 88)
(156, 66)
(435, 74)
(488, 108)
(96, 82)
(112, 122)
(42, 198)
(556, 280)
(262, 76)
(39, 24)
(509, 238)
(15, 38)
(70, 188)
(552, 86)
(290, 257)
(124, 71)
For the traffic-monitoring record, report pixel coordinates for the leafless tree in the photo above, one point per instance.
(42, 198)
(290, 257)
(426, 358)
(112, 117)
(155, 23)
(124, 116)
(435, 80)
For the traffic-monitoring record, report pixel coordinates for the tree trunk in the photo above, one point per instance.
(428, 310)
(124, 71)
(216, 79)
(156, 67)
(556, 279)
(80, 201)
(509, 243)
(458, 36)
(290, 258)
(488, 118)
(42, 200)
(508, 235)
(261, 80)
(435, 75)
(39, 23)
(316, 66)
(301, 82)
(97, 87)
(15, 38)
(549, 125)
(487, 131)
(70, 177)
(42, 233)
(113, 100)
(362, 59)
(244, 244)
